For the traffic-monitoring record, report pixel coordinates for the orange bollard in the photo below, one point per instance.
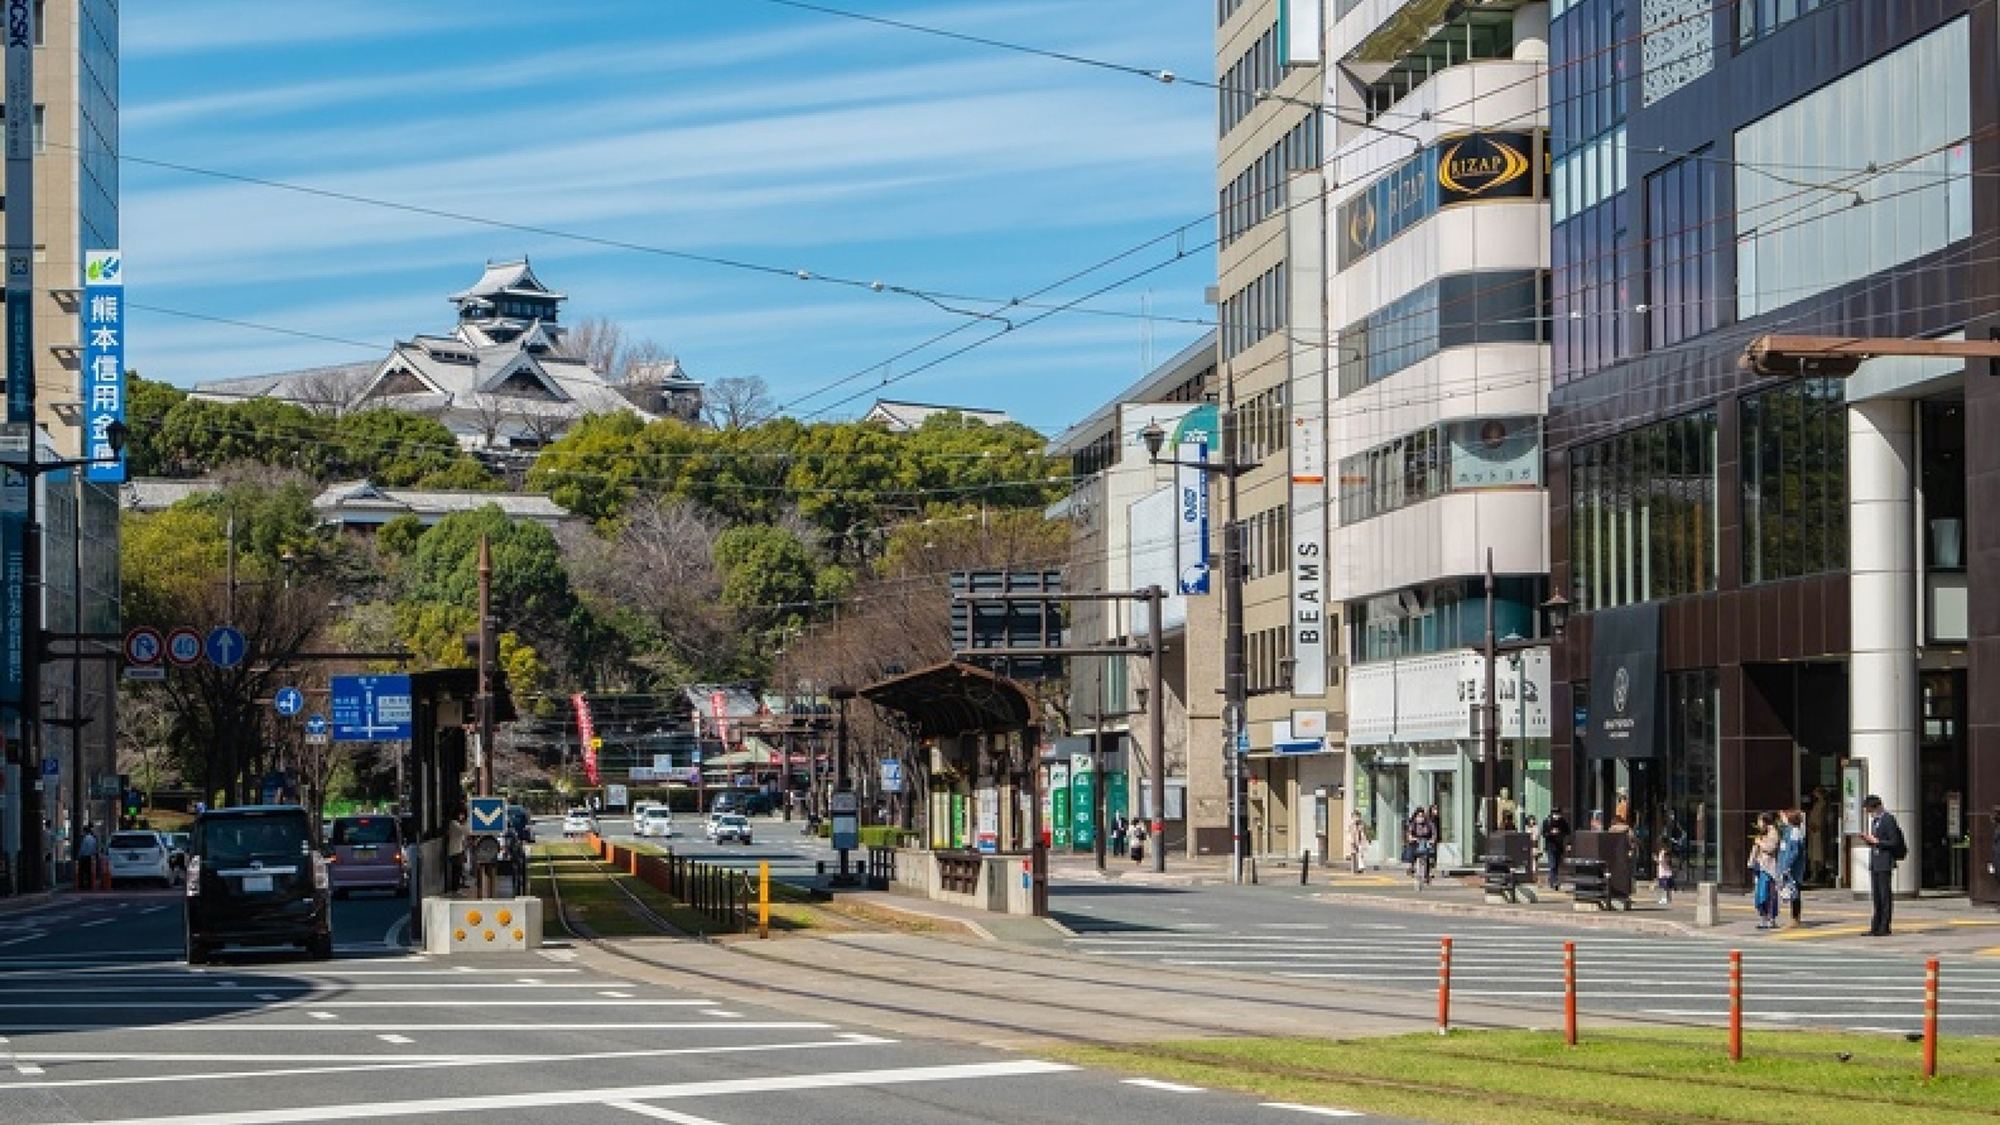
(1735, 1005)
(1569, 993)
(1930, 1018)
(1444, 986)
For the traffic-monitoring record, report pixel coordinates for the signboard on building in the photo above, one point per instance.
(1495, 453)
(1192, 438)
(1436, 698)
(1468, 168)
(1301, 31)
(1625, 683)
(103, 362)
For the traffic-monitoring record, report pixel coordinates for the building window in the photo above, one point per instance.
(1908, 116)
(1254, 312)
(1464, 456)
(1758, 18)
(1443, 616)
(1258, 192)
(1683, 242)
(1258, 69)
(1261, 426)
(1794, 475)
(1643, 514)
(1488, 307)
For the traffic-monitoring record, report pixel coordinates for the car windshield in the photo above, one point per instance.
(241, 839)
(734, 821)
(364, 830)
(658, 814)
(130, 840)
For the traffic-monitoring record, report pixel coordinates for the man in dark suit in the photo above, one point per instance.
(1884, 838)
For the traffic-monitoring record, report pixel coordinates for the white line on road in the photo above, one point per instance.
(29, 1070)
(658, 1114)
(1164, 1087)
(494, 1103)
(1315, 1110)
(617, 995)
(99, 922)
(399, 1040)
(574, 1002)
(260, 995)
(721, 1014)
(261, 1028)
(323, 1015)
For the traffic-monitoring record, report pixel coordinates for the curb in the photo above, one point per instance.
(1605, 921)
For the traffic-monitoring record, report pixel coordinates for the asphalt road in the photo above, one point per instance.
(1322, 942)
(100, 1021)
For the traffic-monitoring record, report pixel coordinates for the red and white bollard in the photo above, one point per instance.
(1930, 1018)
(1569, 993)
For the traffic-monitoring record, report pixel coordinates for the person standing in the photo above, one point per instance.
(1138, 841)
(1663, 874)
(1792, 863)
(86, 859)
(1764, 864)
(1119, 830)
(454, 850)
(1886, 847)
(1423, 843)
(1555, 842)
(1357, 842)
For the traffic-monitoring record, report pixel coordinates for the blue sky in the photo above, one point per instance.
(725, 127)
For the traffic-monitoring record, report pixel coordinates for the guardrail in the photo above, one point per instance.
(881, 868)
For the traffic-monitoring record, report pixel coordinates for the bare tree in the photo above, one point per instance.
(544, 422)
(332, 390)
(609, 349)
(737, 402)
(661, 565)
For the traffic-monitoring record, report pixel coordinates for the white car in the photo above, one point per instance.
(578, 822)
(139, 855)
(730, 827)
(639, 812)
(659, 821)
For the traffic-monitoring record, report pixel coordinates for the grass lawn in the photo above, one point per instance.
(591, 895)
(1641, 1075)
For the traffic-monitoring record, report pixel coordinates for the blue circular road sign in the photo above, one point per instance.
(315, 724)
(289, 701)
(225, 646)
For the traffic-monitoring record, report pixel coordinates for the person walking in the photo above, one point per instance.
(1764, 867)
(1663, 874)
(1886, 848)
(1138, 841)
(1555, 842)
(86, 859)
(1357, 842)
(1120, 828)
(1792, 863)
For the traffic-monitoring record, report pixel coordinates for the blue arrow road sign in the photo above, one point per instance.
(489, 816)
(371, 708)
(289, 701)
(225, 646)
(315, 724)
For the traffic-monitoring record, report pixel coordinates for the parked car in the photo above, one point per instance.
(256, 878)
(732, 828)
(139, 855)
(577, 822)
(659, 822)
(367, 854)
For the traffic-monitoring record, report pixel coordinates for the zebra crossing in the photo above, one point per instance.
(1684, 979)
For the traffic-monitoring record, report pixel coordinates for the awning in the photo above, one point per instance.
(953, 698)
(755, 752)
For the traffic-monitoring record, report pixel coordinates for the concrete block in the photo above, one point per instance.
(482, 925)
(1707, 904)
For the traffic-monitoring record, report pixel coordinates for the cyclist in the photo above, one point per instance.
(1423, 845)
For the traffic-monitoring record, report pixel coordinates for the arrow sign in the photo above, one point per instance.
(489, 816)
(371, 708)
(315, 724)
(225, 646)
(289, 701)
(144, 646)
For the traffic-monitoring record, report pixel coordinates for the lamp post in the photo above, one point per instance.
(1555, 611)
(845, 808)
(1235, 688)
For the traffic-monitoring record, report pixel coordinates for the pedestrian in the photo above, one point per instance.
(1792, 863)
(1120, 828)
(1357, 842)
(1764, 868)
(1138, 836)
(1663, 874)
(1555, 842)
(86, 859)
(1886, 848)
(1423, 835)
(454, 849)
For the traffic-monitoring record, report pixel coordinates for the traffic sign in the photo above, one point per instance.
(184, 647)
(371, 708)
(289, 701)
(489, 816)
(315, 723)
(225, 646)
(144, 646)
(51, 767)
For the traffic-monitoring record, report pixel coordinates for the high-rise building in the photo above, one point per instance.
(76, 211)
(1439, 242)
(1787, 590)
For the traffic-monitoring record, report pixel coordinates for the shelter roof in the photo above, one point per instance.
(954, 698)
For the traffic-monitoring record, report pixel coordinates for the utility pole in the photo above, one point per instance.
(1490, 718)
(485, 704)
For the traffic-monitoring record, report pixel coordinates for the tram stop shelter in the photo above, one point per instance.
(444, 711)
(973, 760)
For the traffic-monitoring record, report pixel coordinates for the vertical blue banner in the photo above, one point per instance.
(103, 361)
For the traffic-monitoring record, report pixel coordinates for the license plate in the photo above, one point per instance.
(256, 884)
(364, 853)
(133, 857)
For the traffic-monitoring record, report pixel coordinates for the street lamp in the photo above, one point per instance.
(1555, 612)
(845, 809)
(1235, 688)
(34, 643)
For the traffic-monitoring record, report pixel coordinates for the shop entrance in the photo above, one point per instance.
(1943, 817)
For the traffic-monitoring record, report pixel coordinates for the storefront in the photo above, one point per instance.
(1415, 742)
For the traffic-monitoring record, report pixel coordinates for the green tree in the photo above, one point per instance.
(392, 447)
(195, 437)
(146, 406)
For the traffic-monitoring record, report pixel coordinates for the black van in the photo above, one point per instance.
(255, 878)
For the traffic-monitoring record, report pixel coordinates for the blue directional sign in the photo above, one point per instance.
(225, 646)
(371, 708)
(316, 725)
(488, 817)
(289, 701)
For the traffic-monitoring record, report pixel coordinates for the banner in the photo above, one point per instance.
(103, 361)
(1192, 439)
(20, 222)
(587, 731)
(1624, 683)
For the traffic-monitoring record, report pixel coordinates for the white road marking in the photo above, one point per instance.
(658, 1114)
(719, 1013)
(29, 1069)
(323, 1015)
(492, 1103)
(225, 984)
(98, 922)
(260, 995)
(259, 1028)
(1292, 926)
(24, 937)
(364, 1064)
(574, 1002)
(1315, 1110)
(152, 910)
(1164, 1087)
(617, 995)
(397, 1039)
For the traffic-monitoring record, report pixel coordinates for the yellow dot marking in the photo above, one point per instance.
(472, 916)
(518, 935)
(489, 935)
(458, 935)
(505, 917)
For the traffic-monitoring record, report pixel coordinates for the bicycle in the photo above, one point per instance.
(1426, 860)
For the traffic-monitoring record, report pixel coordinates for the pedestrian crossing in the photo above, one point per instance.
(1670, 978)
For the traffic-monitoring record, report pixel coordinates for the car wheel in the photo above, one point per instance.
(320, 948)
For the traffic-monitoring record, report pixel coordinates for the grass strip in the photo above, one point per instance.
(1656, 1075)
(590, 893)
